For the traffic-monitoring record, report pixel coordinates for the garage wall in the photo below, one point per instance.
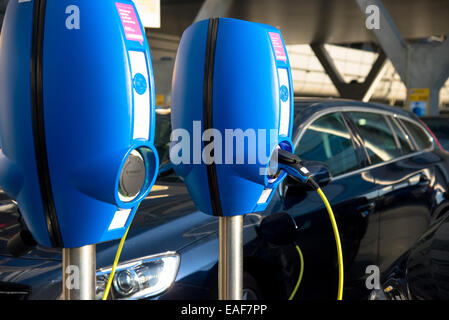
(163, 49)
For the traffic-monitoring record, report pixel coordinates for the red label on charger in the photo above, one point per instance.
(278, 46)
(130, 22)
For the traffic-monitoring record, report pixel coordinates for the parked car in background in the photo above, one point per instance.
(388, 185)
(422, 272)
(440, 127)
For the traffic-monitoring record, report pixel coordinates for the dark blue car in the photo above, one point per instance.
(389, 179)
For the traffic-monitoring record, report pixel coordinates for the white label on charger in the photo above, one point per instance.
(119, 220)
(265, 196)
(285, 105)
(141, 100)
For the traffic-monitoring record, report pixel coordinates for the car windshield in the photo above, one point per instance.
(162, 134)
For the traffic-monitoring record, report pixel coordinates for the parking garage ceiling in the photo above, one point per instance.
(305, 21)
(330, 21)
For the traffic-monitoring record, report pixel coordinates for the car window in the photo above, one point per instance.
(328, 140)
(439, 126)
(377, 136)
(422, 140)
(403, 138)
(162, 135)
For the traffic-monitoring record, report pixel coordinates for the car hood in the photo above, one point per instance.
(167, 220)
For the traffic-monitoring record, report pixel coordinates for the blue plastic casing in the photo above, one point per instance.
(230, 75)
(68, 125)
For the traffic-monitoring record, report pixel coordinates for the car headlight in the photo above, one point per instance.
(140, 278)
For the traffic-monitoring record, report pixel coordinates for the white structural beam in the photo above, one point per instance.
(419, 64)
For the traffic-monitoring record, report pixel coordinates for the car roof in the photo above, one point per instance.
(442, 117)
(305, 106)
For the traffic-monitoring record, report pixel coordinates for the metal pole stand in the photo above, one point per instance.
(230, 260)
(78, 273)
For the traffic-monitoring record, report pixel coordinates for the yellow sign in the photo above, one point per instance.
(160, 100)
(419, 100)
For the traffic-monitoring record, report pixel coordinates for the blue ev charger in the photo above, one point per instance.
(76, 118)
(231, 76)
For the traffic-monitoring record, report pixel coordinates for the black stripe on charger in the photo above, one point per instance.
(208, 111)
(37, 111)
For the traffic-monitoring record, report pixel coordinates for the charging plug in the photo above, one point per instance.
(294, 167)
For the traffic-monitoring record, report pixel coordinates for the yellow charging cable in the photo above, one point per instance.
(338, 243)
(301, 271)
(114, 266)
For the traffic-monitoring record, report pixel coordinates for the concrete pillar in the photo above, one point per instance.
(163, 50)
(163, 75)
(420, 65)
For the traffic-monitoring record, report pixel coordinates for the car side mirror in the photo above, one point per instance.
(320, 172)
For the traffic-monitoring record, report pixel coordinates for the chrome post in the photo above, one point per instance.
(230, 261)
(78, 273)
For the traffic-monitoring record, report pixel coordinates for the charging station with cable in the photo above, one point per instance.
(232, 75)
(77, 132)
(235, 75)
(77, 129)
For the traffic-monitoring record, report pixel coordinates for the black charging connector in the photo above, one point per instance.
(294, 167)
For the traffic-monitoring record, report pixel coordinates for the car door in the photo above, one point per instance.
(329, 140)
(403, 174)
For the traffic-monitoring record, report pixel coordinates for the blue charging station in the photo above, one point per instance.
(231, 75)
(77, 128)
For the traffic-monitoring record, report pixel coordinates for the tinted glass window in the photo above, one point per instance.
(439, 126)
(404, 140)
(419, 136)
(162, 136)
(377, 136)
(328, 140)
